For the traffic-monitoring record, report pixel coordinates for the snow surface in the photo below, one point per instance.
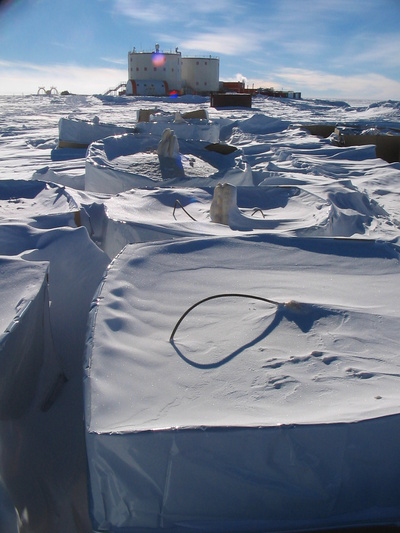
(315, 228)
(304, 358)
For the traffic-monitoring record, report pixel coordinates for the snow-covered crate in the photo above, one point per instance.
(244, 384)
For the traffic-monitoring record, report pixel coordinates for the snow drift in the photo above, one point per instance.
(275, 409)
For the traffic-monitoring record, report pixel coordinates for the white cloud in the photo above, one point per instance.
(150, 12)
(379, 49)
(114, 61)
(318, 83)
(209, 7)
(173, 10)
(222, 42)
(26, 78)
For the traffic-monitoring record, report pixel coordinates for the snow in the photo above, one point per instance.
(258, 415)
(75, 132)
(229, 356)
(25, 335)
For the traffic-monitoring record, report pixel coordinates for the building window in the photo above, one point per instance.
(172, 69)
(145, 69)
(137, 69)
(155, 68)
(197, 62)
(205, 62)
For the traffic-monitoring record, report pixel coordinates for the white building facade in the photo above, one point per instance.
(200, 74)
(160, 73)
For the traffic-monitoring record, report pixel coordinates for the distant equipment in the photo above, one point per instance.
(119, 90)
(230, 100)
(47, 92)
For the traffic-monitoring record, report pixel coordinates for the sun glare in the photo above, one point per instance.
(158, 59)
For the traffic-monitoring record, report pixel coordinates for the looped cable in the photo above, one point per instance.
(215, 296)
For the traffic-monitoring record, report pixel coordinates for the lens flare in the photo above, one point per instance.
(158, 59)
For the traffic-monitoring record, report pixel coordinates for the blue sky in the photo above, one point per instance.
(323, 48)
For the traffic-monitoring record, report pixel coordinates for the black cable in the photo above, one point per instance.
(177, 202)
(227, 295)
(255, 211)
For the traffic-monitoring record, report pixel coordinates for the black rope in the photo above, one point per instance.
(228, 295)
(177, 202)
(255, 211)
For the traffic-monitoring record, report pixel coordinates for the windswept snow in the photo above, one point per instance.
(257, 416)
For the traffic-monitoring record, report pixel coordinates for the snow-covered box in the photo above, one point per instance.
(25, 334)
(244, 384)
(77, 133)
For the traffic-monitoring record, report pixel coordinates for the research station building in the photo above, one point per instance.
(159, 73)
(200, 74)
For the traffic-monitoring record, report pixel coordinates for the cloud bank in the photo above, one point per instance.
(29, 77)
